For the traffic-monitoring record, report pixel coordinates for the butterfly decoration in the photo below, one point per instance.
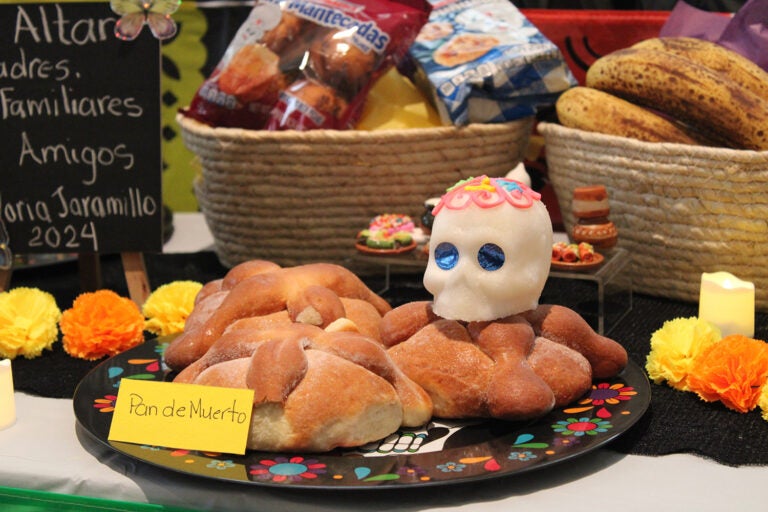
(137, 13)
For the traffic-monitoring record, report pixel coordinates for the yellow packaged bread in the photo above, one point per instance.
(395, 103)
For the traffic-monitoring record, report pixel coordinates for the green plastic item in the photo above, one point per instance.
(22, 500)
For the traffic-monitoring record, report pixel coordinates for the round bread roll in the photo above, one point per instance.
(288, 32)
(338, 62)
(308, 104)
(253, 75)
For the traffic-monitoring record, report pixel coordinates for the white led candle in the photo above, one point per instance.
(728, 302)
(7, 401)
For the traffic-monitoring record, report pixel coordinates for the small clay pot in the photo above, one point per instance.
(591, 208)
(590, 202)
(603, 234)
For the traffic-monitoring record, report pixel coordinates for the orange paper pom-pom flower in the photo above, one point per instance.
(99, 324)
(734, 371)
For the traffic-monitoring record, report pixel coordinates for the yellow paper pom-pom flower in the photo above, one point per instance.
(762, 402)
(733, 370)
(168, 307)
(675, 346)
(101, 323)
(28, 322)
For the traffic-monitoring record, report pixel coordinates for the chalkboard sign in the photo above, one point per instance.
(80, 164)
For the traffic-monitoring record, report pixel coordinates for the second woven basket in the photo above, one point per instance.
(680, 210)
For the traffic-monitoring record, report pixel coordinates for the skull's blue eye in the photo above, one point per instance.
(446, 255)
(490, 257)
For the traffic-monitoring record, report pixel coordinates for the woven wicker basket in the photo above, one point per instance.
(296, 197)
(680, 210)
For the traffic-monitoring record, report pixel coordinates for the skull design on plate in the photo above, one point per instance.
(490, 250)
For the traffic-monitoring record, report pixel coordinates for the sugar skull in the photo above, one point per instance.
(490, 250)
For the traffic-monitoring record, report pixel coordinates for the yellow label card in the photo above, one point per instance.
(187, 416)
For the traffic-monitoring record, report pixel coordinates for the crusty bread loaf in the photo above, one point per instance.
(335, 404)
(566, 372)
(563, 325)
(241, 339)
(332, 365)
(714, 56)
(314, 389)
(490, 369)
(513, 368)
(597, 111)
(310, 293)
(686, 90)
(429, 357)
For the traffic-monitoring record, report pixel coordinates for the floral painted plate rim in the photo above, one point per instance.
(443, 452)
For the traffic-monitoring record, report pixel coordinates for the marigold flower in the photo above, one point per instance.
(674, 348)
(734, 371)
(168, 307)
(28, 322)
(99, 324)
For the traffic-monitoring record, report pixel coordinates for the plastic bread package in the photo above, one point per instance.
(483, 61)
(306, 64)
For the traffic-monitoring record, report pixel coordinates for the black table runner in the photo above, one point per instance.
(676, 422)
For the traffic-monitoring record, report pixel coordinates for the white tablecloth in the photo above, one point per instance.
(46, 450)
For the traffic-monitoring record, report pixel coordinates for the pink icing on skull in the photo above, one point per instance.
(487, 192)
(490, 250)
